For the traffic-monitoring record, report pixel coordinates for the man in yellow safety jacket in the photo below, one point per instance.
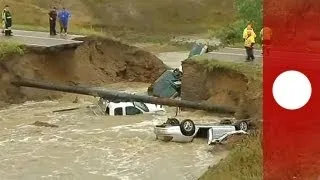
(245, 32)
(248, 44)
(266, 37)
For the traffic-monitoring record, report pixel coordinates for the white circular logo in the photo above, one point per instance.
(292, 90)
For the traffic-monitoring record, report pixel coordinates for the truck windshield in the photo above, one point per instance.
(141, 106)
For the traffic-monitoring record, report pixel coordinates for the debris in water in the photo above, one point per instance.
(44, 124)
(63, 110)
(76, 100)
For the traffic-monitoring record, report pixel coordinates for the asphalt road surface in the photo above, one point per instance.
(237, 55)
(41, 39)
(233, 54)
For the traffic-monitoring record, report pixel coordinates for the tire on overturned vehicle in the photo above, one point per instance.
(187, 127)
(242, 125)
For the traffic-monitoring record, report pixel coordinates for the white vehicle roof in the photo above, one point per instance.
(151, 107)
(120, 104)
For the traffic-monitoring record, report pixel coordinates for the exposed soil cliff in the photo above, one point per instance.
(97, 61)
(225, 84)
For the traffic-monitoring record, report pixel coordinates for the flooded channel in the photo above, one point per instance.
(91, 146)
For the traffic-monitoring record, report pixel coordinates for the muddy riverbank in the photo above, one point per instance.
(98, 61)
(226, 83)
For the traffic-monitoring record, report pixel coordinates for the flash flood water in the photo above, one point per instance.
(87, 145)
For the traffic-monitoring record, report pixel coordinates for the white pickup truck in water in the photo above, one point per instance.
(128, 108)
(187, 130)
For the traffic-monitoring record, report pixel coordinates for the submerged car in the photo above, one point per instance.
(198, 49)
(167, 85)
(187, 130)
(114, 108)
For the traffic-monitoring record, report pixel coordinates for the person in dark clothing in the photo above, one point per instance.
(52, 20)
(7, 20)
(248, 44)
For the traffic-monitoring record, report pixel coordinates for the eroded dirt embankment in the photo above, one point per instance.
(220, 84)
(97, 61)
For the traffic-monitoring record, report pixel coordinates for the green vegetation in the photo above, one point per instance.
(252, 71)
(147, 16)
(247, 11)
(9, 48)
(243, 163)
(144, 21)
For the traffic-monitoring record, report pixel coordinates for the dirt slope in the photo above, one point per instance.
(96, 62)
(223, 83)
(143, 15)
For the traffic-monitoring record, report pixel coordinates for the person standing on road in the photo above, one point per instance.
(52, 20)
(248, 44)
(3, 22)
(64, 17)
(7, 20)
(266, 35)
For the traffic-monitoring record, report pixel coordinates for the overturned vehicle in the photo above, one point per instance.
(187, 130)
(168, 85)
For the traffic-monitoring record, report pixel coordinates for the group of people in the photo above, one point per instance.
(63, 17)
(249, 37)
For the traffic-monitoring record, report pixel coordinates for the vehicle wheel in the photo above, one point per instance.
(242, 125)
(187, 127)
(173, 121)
(177, 73)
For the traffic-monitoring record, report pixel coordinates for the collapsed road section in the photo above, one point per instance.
(120, 96)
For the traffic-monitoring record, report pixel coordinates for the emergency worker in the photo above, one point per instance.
(266, 38)
(248, 44)
(7, 20)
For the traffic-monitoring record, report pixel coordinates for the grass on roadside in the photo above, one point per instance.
(243, 163)
(253, 71)
(252, 74)
(148, 16)
(10, 47)
(240, 45)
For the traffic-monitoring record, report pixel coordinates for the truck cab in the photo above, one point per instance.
(128, 108)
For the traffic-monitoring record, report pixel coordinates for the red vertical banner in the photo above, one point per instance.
(291, 131)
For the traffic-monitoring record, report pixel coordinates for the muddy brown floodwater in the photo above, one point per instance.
(87, 145)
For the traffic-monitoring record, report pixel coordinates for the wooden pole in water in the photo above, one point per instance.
(125, 97)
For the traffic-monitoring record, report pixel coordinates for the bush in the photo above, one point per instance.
(247, 11)
(9, 47)
(243, 163)
(231, 33)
